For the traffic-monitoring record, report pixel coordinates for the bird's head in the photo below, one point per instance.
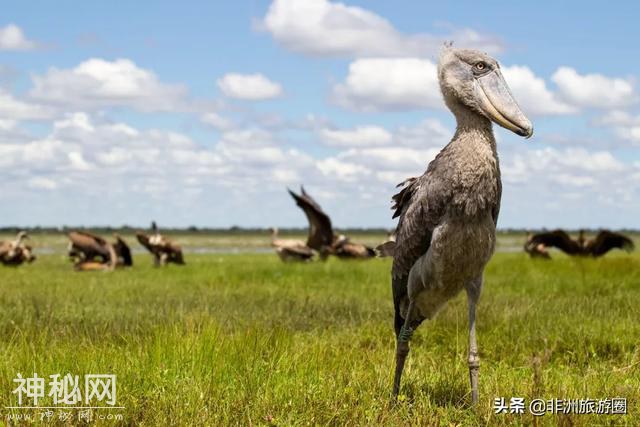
(473, 79)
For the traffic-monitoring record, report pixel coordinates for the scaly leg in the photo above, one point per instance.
(473, 294)
(402, 349)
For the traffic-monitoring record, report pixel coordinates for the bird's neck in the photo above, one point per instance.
(473, 167)
(471, 126)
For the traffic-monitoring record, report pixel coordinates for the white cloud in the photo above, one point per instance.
(378, 84)
(324, 28)
(409, 161)
(569, 187)
(254, 87)
(16, 109)
(624, 124)
(98, 83)
(12, 38)
(40, 183)
(568, 166)
(429, 133)
(532, 94)
(77, 161)
(358, 137)
(342, 170)
(7, 124)
(594, 90)
(217, 121)
(388, 84)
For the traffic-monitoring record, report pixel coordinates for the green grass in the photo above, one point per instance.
(247, 340)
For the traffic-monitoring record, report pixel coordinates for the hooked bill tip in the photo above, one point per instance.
(526, 132)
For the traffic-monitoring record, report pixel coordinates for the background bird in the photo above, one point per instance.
(321, 236)
(535, 250)
(290, 250)
(446, 231)
(602, 243)
(88, 252)
(16, 252)
(163, 250)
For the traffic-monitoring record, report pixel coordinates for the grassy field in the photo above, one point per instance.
(242, 339)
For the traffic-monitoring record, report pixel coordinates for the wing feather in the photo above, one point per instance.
(420, 205)
(320, 228)
(557, 239)
(607, 240)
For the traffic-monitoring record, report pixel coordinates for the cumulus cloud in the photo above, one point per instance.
(359, 136)
(568, 167)
(624, 124)
(532, 93)
(378, 84)
(388, 84)
(325, 28)
(13, 108)
(388, 159)
(343, 170)
(594, 90)
(216, 121)
(588, 187)
(253, 87)
(12, 38)
(97, 83)
(429, 133)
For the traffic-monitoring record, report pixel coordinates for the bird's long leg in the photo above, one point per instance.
(402, 349)
(473, 294)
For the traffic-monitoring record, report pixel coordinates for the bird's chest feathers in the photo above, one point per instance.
(475, 176)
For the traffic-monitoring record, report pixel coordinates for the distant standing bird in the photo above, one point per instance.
(16, 252)
(321, 236)
(604, 241)
(446, 231)
(290, 250)
(163, 250)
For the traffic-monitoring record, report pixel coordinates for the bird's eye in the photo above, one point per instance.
(480, 66)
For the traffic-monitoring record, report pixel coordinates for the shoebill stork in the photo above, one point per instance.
(321, 236)
(446, 231)
(91, 252)
(163, 250)
(290, 250)
(604, 241)
(16, 252)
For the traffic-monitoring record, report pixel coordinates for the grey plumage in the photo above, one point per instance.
(447, 216)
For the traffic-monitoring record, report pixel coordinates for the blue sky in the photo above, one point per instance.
(204, 113)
